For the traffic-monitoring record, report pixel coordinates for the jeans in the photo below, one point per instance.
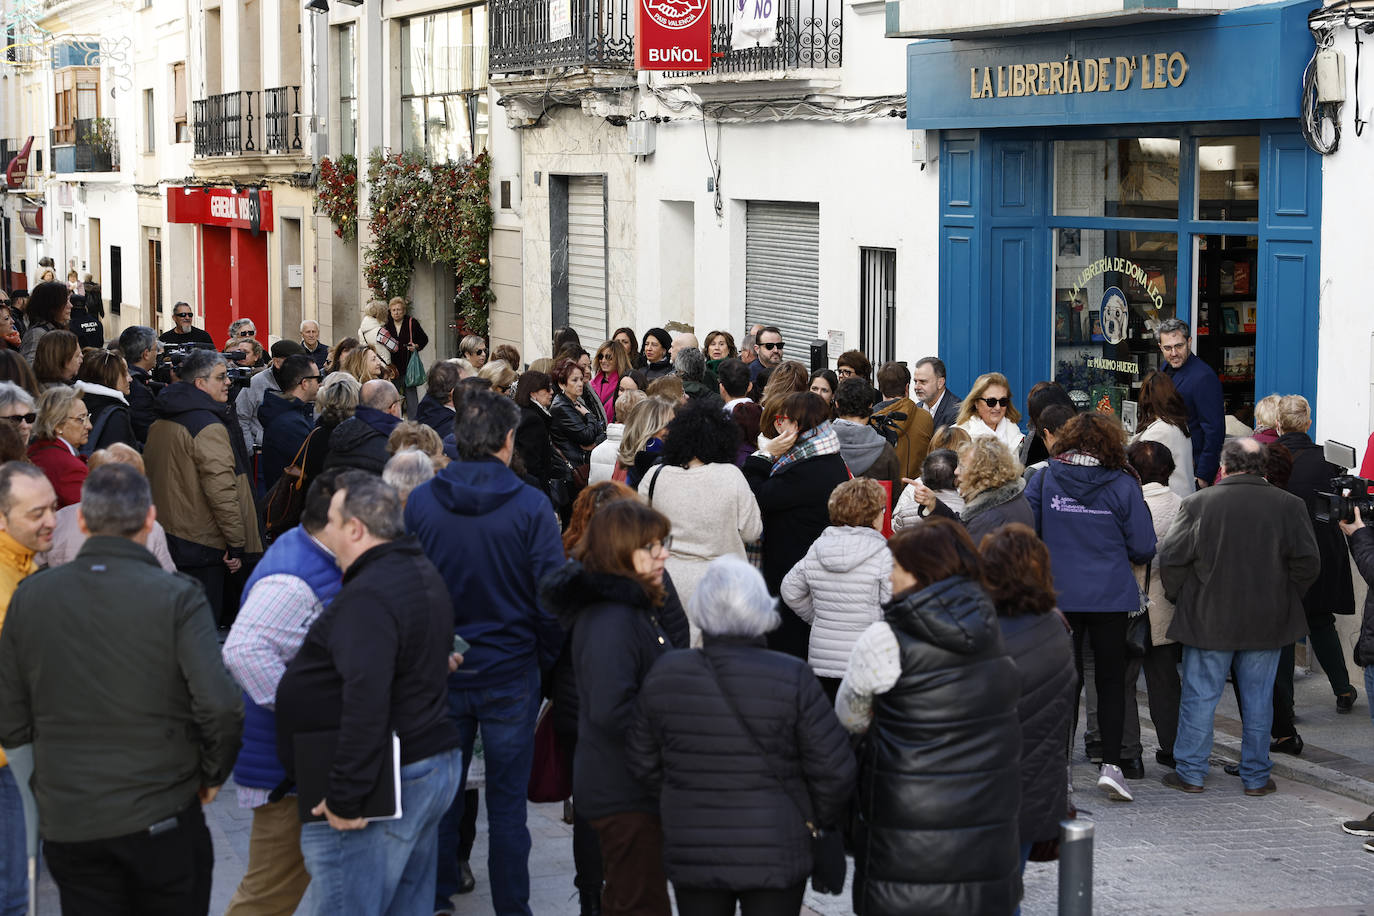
(1204, 678)
(14, 856)
(139, 874)
(388, 866)
(506, 714)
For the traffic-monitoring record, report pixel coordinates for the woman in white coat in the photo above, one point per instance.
(989, 410)
(1164, 419)
(841, 584)
(698, 487)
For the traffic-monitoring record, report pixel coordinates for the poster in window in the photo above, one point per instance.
(1107, 398)
(1095, 324)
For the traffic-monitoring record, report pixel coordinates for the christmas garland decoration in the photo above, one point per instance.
(336, 195)
(424, 211)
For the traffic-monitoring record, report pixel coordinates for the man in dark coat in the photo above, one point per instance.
(435, 409)
(360, 441)
(109, 666)
(139, 346)
(1236, 563)
(937, 400)
(1201, 391)
(287, 416)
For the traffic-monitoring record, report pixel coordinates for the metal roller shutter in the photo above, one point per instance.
(587, 259)
(782, 255)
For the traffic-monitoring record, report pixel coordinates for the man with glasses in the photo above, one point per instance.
(310, 343)
(183, 332)
(1200, 389)
(360, 441)
(287, 416)
(937, 400)
(199, 470)
(139, 346)
(770, 347)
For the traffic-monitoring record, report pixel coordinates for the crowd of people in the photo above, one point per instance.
(747, 614)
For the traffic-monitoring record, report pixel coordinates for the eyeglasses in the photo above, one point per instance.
(663, 545)
(310, 378)
(996, 402)
(845, 372)
(84, 419)
(249, 333)
(181, 314)
(607, 356)
(29, 418)
(772, 346)
(1174, 348)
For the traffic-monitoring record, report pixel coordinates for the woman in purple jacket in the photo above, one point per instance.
(1090, 512)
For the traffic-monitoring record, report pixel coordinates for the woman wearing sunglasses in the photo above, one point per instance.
(988, 410)
(609, 366)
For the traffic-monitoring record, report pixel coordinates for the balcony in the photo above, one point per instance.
(810, 37)
(89, 145)
(247, 122)
(602, 36)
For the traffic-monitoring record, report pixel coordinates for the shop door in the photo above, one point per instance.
(782, 244)
(250, 280)
(216, 275)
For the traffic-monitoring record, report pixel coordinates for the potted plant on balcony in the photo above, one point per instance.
(100, 136)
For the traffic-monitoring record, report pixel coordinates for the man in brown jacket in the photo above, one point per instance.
(200, 473)
(1236, 563)
(913, 432)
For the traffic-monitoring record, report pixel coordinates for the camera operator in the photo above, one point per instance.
(139, 346)
(1361, 539)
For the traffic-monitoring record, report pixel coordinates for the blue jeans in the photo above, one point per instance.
(14, 855)
(1369, 688)
(388, 866)
(506, 714)
(1204, 677)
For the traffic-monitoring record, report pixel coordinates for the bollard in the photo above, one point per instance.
(1076, 868)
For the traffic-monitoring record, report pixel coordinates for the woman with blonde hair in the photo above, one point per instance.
(364, 365)
(340, 352)
(990, 483)
(405, 338)
(64, 425)
(989, 410)
(642, 440)
(409, 434)
(500, 374)
(474, 349)
(375, 314)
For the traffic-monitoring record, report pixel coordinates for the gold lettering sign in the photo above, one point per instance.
(1133, 271)
(1072, 76)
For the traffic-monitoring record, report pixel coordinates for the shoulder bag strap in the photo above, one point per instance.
(298, 462)
(654, 482)
(767, 761)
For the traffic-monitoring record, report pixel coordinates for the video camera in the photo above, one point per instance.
(172, 355)
(888, 424)
(1348, 492)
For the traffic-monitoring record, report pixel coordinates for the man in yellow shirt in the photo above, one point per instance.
(28, 515)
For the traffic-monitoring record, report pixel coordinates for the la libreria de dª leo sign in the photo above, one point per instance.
(1070, 76)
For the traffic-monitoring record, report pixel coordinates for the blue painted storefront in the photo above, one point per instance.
(996, 217)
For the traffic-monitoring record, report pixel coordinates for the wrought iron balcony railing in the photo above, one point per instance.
(602, 35)
(95, 149)
(247, 121)
(810, 35)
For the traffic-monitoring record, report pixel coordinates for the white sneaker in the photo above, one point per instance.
(1115, 783)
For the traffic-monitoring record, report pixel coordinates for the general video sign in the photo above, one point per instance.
(673, 34)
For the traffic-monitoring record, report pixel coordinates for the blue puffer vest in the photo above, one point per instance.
(295, 553)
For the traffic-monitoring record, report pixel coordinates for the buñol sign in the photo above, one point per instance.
(673, 35)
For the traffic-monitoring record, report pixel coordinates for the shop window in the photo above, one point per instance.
(1228, 178)
(1227, 314)
(1133, 177)
(1112, 290)
(443, 84)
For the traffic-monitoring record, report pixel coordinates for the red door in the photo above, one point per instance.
(216, 274)
(250, 279)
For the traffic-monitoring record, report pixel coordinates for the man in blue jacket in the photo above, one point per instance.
(492, 538)
(1200, 389)
(287, 416)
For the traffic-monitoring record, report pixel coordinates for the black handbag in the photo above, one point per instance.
(1138, 624)
(828, 864)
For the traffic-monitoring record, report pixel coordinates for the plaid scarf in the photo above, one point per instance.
(819, 440)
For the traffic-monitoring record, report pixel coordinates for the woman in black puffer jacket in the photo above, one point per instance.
(732, 832)
(611, 599)
(1017, 577)
(939, 777)
(574, 428)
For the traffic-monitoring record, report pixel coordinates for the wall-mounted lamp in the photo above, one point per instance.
(318, 6)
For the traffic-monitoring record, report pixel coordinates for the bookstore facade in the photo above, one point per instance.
(1095, 183)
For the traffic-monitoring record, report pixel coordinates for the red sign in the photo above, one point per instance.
(18, 169)
(31, 218)
(673, 34)
(205, 206)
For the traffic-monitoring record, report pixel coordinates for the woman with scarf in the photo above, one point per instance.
(1091, 514)
(792, 478)
(610, 364)
(988, 410)
(657, 343)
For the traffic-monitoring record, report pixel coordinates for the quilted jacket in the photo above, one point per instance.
(839, 588)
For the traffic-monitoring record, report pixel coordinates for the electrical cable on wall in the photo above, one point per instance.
(1315, 114)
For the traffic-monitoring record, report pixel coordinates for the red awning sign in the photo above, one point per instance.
(18, 169)
(249, 209)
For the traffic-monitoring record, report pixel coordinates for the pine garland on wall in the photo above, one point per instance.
(336, 195)
(423, 211)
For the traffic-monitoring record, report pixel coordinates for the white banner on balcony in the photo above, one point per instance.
(560, 19)
(754, 24)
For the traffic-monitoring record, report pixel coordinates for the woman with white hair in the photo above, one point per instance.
(406, 470)
(743, 750)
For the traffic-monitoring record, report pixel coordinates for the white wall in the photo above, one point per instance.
(1345, 363)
